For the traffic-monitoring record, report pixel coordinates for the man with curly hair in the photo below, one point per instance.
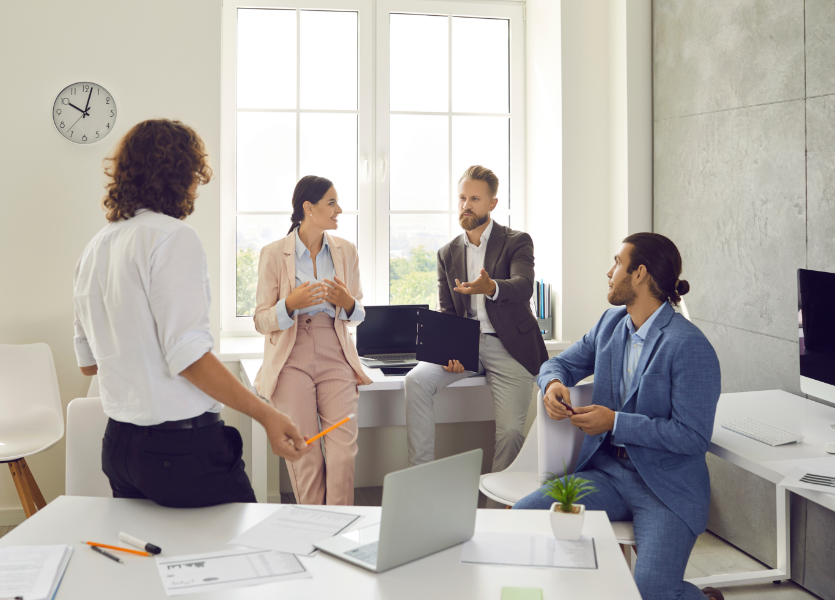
(141, 295)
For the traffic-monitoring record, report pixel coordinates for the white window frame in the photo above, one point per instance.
(373, 133)
(514, 12)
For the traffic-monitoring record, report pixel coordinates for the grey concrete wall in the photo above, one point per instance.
(744, 184)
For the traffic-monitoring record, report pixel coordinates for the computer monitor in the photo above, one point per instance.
(389, 330)
(816, 319)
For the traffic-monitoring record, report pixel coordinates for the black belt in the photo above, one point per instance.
(617, 451)
(204, 420)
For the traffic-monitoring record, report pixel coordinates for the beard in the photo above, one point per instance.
(473, 222)
(622, 294)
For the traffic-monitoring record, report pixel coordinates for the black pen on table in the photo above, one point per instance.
(107, 554)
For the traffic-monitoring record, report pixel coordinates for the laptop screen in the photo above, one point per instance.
(389, 330)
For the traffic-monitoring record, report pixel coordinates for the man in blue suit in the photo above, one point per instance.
(656, 386)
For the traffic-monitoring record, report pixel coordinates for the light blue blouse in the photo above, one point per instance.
(304, 273)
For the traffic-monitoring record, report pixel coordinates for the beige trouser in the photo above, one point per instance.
(316, 381)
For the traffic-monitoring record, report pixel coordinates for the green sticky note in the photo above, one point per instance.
(521, 593)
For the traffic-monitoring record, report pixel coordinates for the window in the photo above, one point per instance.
(303, 94)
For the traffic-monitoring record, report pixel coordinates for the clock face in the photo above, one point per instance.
(84, 113)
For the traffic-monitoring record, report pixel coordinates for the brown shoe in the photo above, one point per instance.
(713, 593)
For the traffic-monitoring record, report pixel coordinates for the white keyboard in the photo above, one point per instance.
(762, 432)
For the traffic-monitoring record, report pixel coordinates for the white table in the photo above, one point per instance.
(381, 403)
(90, 576)
(782, 409)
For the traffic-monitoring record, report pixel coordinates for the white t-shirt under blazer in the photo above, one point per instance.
(141, 295)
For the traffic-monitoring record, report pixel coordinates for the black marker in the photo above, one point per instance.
(107, 554)
(137, 543)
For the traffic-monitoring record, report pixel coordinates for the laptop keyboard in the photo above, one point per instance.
(391, 357)
(367, 553)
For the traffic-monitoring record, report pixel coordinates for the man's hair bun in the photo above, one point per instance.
(683, 287)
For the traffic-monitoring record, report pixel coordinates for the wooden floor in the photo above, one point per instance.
(711, 555)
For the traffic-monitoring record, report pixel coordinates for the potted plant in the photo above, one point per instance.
(567, 516)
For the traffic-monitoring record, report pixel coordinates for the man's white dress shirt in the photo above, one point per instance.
(475, 263)
(141, 295)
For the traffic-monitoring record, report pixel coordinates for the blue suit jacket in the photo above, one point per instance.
(667, 419)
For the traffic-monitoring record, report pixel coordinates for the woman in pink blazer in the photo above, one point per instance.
(308, 294)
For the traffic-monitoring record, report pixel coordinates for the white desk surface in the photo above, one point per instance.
(781, 409)
(185, 531)
(380, 383)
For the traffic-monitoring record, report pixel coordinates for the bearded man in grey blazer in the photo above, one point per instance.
(496, 265)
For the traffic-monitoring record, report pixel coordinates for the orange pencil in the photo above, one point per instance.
(331, 428)
(139, 552)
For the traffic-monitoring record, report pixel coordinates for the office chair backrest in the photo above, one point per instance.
(560, 441)
(85, 429)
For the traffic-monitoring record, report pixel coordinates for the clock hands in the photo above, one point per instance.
(84, 112)
(87, 106)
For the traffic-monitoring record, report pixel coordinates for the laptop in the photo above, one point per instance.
(426, 509)
(388, 336)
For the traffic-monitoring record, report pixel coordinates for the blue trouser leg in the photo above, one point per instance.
(664, 541)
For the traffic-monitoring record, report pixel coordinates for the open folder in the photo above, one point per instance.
(443, 337)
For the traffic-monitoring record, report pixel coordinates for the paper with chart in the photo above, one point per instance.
(226, 570)
(529, 550)
(293, 529)
(33, 572)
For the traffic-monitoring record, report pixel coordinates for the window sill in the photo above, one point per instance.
(233, 349)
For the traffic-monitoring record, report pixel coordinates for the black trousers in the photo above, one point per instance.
(182, 468)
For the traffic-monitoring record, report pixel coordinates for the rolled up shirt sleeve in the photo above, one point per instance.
(180, 298)
(495, 296)
(285, 320)
(356, 317)
(83, 352)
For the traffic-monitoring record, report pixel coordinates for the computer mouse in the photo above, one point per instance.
(829, 447)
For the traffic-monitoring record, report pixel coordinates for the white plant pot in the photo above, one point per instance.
(567, 526)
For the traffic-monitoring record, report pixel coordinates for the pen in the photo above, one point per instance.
(118, 548)
(148, 547)
(107, 554)
(331, 428)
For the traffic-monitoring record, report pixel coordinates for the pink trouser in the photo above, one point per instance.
(317, 380)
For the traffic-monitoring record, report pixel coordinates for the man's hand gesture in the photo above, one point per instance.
(554, 394)
(482, 285)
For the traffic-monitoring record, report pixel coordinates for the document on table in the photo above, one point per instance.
(226, 570)
(33, 572)
(819, 477)
(529, 550)
(293, 529)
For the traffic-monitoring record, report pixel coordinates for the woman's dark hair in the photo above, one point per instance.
(155, 166)
(309, 189)
(663, 263)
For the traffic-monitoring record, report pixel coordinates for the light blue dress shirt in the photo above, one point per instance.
(304, 273)
(631, 356)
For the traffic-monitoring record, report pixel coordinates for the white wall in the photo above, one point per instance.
(589, 144)
(159, 58)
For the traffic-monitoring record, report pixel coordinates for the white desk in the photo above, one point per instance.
(381, 403)
(90, 576)
(788, 411)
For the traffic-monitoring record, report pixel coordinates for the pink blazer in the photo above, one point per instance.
(276, 279)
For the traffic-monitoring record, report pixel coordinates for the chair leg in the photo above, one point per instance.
(37, 496)
(22, 486)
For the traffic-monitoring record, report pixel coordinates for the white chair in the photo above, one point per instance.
(31, 416)
(86, 422)
(524, 476)
(559, 441)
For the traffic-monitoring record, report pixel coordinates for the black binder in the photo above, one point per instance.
(443, 337)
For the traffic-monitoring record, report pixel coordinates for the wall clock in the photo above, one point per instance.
(84, 112)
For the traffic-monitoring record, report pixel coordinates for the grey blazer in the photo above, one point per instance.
(509, 261)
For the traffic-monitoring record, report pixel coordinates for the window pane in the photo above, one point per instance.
(480, 65)
(413, 245)
(266, 58)
(419, 63)
(483, 141)
(328, 148)
(255, 232)
(266, 156)
(419, 167)
(328, 57)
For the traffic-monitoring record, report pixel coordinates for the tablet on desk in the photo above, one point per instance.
(443, 337)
